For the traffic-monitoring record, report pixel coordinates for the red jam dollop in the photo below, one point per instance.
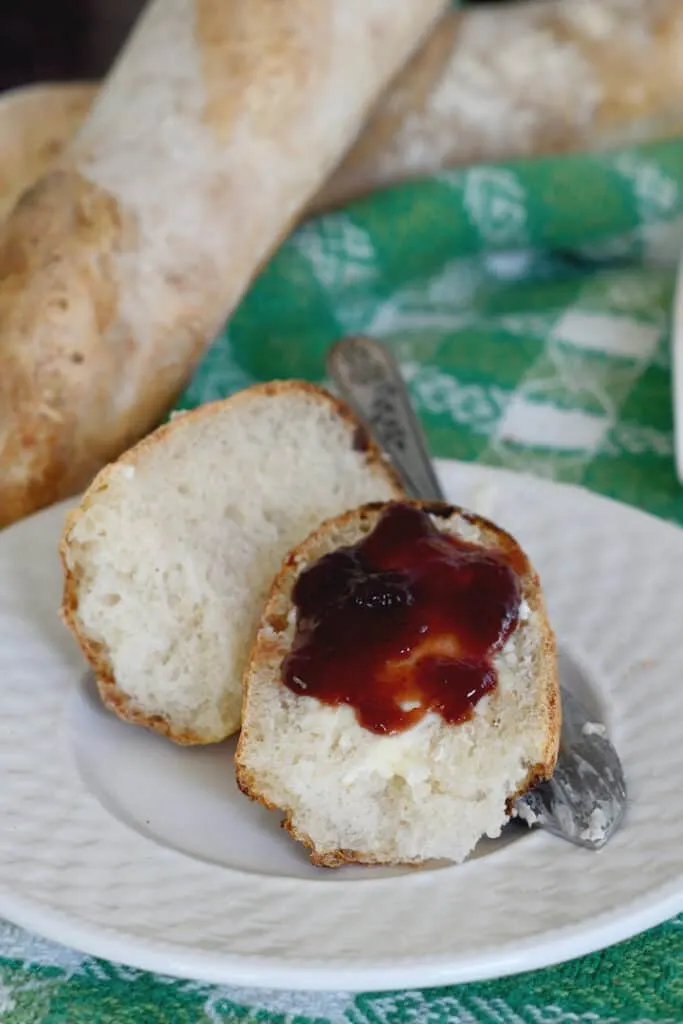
(405, 622)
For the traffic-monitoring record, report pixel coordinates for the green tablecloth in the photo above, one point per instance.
(530, 308)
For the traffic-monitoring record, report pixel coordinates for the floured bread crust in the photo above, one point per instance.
(520, 80)
(217, 125)
(220, 126)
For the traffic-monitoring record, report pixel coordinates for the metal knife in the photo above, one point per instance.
(585, 801)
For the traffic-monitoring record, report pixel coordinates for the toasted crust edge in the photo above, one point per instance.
(546, 668)
(96, 653)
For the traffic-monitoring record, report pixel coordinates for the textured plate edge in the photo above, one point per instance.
(256, 972)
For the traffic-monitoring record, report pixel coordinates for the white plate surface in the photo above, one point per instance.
(117, 843)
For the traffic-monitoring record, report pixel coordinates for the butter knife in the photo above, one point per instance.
(585, 801)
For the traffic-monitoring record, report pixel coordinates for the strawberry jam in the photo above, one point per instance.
(405, 622)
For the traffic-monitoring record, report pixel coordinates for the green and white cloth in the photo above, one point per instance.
(529, 305)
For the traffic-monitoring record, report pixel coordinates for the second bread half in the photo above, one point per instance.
(169, 557)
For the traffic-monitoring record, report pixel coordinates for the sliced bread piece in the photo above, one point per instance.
(431, 791)
(169, 556)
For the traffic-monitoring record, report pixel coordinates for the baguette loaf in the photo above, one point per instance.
(491, 83)
(220, 121)
(521, 80)
(118, 268)
(169, 556)
(431, 791)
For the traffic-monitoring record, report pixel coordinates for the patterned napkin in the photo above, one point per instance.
(529, 306)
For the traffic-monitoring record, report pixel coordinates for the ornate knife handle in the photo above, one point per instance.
(368, 378)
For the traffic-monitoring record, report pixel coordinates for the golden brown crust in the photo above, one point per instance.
(56, 275)
(546, 663)
(36, 122)
(95, 653)
(120, 266)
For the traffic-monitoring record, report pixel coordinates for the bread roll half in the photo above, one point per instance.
(429, 792)
(169, 556)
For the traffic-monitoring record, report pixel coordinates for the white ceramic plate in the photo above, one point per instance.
(117, 843)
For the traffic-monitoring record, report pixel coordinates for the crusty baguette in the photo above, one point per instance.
(535, 77)
(432, 791)
(170, 554)
(219, 122)
(524, 79)
(610, 72)
(116, 270)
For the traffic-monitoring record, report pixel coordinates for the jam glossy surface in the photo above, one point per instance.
(405, 622)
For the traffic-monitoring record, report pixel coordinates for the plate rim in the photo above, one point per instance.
(246, 972)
